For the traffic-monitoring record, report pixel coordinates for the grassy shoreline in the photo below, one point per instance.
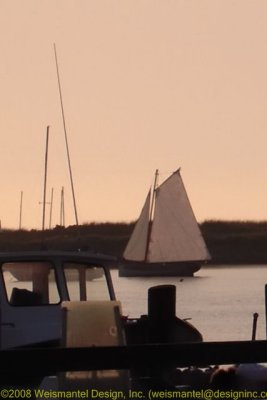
(229, 242)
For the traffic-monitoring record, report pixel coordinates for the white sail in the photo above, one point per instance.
(136, 247)
(175, 233)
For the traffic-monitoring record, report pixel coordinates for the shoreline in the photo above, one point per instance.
(230, 243)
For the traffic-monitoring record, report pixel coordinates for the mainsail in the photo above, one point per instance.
(136, 247)
(173, 234)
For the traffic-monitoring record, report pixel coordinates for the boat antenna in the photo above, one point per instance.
(151, 213)
(66, 137)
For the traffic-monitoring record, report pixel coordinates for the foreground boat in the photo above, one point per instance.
(58, 305)
(77, 342)
(166, 240)
(32, 309)
(34, 285)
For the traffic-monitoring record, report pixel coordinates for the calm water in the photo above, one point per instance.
(220, 301)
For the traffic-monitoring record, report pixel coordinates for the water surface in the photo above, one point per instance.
(219, 300)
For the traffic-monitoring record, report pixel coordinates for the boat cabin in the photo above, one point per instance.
(34, 285)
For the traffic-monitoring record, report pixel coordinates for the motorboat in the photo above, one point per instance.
(69, 326)
(33, 286)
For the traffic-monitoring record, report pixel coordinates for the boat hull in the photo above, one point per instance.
(132, 269)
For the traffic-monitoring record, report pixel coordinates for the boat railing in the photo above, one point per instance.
(49, 361)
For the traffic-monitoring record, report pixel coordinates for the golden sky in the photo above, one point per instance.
(146, 84)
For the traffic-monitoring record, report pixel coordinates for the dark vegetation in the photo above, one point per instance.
(236, 242)
(229, 242)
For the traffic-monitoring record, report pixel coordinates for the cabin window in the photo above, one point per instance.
(30, 283)
(86, 282)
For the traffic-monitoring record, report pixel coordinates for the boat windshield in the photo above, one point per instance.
(86, 282)
(30, 283)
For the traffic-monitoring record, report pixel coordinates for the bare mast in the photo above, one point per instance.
(51, 207)
(45, 176)
(66, 139)
(62, 208)
(20, 210)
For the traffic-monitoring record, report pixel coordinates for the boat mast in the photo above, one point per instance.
(20, 210)
(45, 177)
(62, 208)
(66, 138)
(51, 206)
(151, 213)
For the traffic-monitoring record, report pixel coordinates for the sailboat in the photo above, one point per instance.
(166, 240)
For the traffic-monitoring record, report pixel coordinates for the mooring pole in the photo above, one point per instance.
(266, 309)
(254, 327)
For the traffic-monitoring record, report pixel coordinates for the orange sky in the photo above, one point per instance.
(146, 84)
